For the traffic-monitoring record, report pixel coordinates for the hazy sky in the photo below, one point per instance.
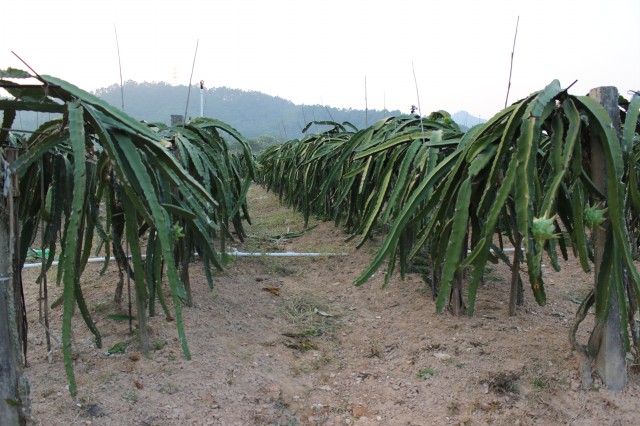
(319, 51)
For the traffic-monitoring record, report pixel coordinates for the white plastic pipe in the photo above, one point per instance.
(231, 253)
(55, 262)
(240, 254)
(283, 254)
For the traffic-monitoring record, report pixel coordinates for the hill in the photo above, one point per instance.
(466, 120)
(254, 114)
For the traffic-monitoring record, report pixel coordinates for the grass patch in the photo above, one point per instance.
(131, 397)
(426, 373)
(270, 220)
(120, 347)
(309, 315)
(539, 383)
(159, 344)
(491, 276)
(101, 307)
(273, 224)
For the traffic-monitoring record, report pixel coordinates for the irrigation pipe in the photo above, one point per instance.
(231, 253)
(239, 254)
(282, 254)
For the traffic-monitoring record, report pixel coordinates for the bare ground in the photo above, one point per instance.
(290, 341)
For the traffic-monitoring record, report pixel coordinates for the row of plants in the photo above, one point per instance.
(335, 173)
(453, 200)
(148, 194)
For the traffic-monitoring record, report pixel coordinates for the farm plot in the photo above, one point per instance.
(290, 341)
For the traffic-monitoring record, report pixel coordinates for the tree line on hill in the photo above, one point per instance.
(253, 114)
(261, 118)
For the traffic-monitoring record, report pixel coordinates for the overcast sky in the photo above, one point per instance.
(319, 51)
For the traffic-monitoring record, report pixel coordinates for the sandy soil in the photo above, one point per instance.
(292, 342)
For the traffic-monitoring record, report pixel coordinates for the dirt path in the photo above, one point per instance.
(289, 341)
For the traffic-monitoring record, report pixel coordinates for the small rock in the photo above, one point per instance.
(358, 411)
(442, 356)
(95, 411)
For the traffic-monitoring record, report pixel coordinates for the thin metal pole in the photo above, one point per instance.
(511, 66)
(415, 80)
(186, 108)
(120, 67)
